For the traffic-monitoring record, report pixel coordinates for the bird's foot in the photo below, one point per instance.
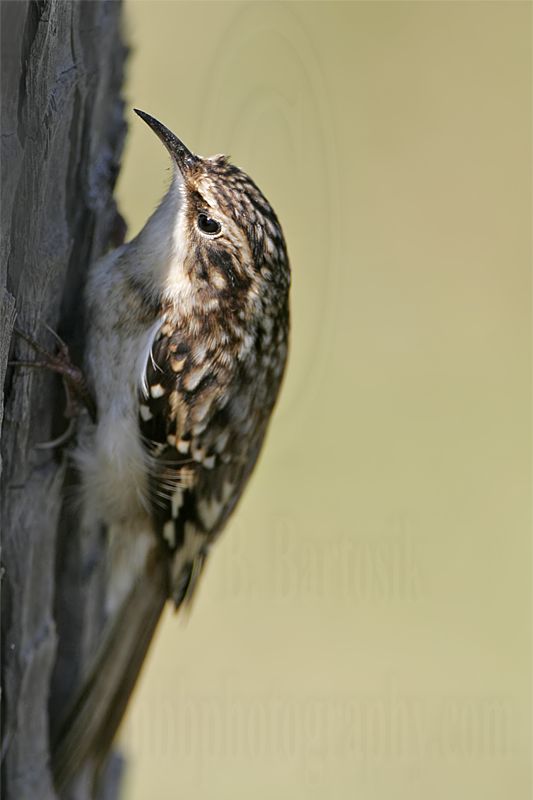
(76, 390)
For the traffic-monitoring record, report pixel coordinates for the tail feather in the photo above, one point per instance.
(92, 722)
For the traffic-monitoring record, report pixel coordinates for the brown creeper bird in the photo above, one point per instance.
(187, 343)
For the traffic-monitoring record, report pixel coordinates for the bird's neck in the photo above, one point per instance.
(159, 248)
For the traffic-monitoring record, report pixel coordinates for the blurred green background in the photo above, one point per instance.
(363, 629)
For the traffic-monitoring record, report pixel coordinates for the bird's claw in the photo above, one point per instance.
(76, 391)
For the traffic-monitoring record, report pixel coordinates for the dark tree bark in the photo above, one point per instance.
(62, 132)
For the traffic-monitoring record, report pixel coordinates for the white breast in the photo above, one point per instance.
(112, 458)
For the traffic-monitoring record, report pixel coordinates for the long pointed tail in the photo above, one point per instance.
(92, 722)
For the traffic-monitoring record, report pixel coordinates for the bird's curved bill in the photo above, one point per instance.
(181, 155)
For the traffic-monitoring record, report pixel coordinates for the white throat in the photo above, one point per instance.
(159, 249)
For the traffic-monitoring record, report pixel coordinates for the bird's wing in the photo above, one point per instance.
(203, 431)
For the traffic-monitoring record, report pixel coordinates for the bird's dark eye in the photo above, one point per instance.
(208, 224)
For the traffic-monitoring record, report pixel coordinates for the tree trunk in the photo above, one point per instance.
(62, 132)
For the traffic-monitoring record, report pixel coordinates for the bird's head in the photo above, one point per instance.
(227, 238)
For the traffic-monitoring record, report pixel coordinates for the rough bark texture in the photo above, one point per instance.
(62, 131)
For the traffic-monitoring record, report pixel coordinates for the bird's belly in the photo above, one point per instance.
(116, 463)
(119, 468)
